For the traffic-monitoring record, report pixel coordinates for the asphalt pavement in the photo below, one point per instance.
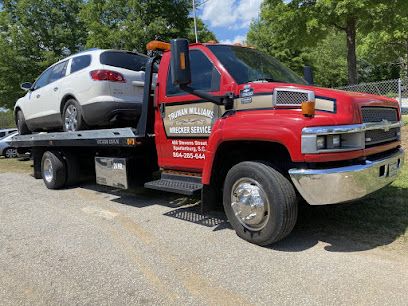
(98, 246)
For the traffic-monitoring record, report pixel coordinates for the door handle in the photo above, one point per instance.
(55, 88)
(162, 110)
(37, 96)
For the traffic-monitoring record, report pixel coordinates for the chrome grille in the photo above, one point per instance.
(291, 96)
(374, 137)
(378, 114)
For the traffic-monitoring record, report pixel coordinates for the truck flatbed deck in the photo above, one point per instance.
(117, 137)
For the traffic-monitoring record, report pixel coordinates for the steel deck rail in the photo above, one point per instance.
(119, 137)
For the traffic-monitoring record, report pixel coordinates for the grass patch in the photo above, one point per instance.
(405, 119)
(15, 165)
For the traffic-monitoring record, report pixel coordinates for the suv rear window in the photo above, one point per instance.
(126, 60)
(80, 62)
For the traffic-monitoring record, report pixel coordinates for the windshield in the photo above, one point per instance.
(249, 65)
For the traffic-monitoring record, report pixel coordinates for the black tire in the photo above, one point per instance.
(273, 189)
(76, 122)
(73, 169)
(21, 124)
(10, 153)
(53, 169)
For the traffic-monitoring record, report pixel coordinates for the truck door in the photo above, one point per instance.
(184, 120)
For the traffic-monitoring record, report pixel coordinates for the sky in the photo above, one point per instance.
(229, 19)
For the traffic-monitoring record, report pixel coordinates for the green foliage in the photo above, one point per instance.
(329, 60)
(389, 42)
(405, 120)
(324, 34)
(203, 33)
(132, 24)
(33, 35)
(7, 120)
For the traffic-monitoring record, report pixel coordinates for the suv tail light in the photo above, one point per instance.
(107, 75)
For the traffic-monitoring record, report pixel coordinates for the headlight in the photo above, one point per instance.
(328, 142)
(314, 141)
(336, 141)
(321, 142)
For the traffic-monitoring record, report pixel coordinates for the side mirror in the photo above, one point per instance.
(308, 74)
(180, 62)
(26, 86)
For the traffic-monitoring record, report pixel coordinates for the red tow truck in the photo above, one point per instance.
(239, 128)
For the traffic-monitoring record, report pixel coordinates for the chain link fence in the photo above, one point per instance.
(396, 89)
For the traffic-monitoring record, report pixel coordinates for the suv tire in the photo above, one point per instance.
(72, 118)
(21, 124)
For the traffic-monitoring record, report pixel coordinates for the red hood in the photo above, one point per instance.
(348, 104)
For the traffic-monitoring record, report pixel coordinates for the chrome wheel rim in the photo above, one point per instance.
(250, 204)
(71, 118)
(10, 153)
(47, 170)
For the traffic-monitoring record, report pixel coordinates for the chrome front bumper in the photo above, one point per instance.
(337, 185)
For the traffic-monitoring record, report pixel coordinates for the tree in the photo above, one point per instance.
(132, 24)
(388, 43)
(305, 23)
(203, 33)
(33, 35)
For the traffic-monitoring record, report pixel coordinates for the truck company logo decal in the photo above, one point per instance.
(246, 94)
(192, 120)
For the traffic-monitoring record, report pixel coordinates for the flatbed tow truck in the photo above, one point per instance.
(236, 127)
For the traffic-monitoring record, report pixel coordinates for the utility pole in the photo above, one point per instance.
(195, 21)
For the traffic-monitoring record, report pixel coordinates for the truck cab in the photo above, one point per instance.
(332, 146)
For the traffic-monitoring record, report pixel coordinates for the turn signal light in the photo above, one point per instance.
(158, 45)
(107, 75)
(308, 108)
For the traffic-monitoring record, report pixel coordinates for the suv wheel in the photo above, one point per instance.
(21, 124)
(72, 117)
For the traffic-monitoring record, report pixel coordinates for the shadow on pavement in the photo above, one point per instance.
(375, 221)
(369, 223)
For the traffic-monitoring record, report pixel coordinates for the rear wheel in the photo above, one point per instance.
(53, 169)
(72, 117)
(260, 203)
(21, 124)
(10, 153)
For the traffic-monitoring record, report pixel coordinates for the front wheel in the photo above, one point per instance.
(260, 203)
(21, 124)
(72, 117)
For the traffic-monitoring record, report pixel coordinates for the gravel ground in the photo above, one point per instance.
(91, 245)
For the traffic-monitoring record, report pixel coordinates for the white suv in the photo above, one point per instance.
(88, 89)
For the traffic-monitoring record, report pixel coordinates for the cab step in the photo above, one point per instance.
(181, 184)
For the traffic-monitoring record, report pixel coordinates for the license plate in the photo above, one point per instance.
(393, 169)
